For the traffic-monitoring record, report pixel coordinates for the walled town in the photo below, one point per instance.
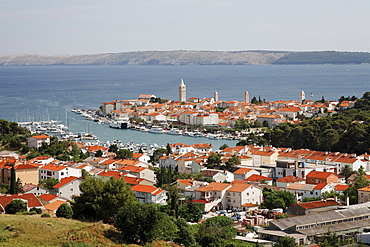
(268, 192)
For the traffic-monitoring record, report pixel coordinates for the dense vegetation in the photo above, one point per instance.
(324, 57)
(13, 137)
(61, 150)
(347, 132)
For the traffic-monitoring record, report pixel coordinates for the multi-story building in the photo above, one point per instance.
(37, 141)
(58, 171)
(150, 194)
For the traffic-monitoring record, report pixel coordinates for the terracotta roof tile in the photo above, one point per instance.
(317, 204)
(64, 181)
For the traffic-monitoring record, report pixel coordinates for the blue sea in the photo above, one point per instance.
(33, 93)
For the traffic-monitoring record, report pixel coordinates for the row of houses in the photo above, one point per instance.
(203, 112)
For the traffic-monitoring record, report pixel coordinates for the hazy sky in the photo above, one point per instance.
(52, 27)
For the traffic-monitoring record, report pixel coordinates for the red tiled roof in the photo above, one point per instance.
(289, 179)
(30, 197)
(256, 177)
(147, 189)
(214, 187)
(28, 187)
(41, 137)
(341, 187)
(239, 187)
(242, 171)
(109, 173)
(25, 166)
(54, 205)
(64, 181)
(249, 205)
(132, 180)
(317, 204)
(186, 181)
(48, 197)
(53, 167)
(316, 174)
(131, 168)
(320, 186)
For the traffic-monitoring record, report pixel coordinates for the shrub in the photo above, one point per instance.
(15, 206)
(26, 213)
(72, 244)
(64, 211)
(36, 210)
(45, 215)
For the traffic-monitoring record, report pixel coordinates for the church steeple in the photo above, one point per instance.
(182, 91)
(246, 97)
(302, 97)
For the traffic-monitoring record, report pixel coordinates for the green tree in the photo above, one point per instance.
(277, 199)
(223, 146)
(286, 242)
(113, 148)
(166, 175)
(168, 149)
(329, 239)
(216, 230)
(16, 206)
(214, 161)
(174, 200)
(361, 182)
(159, 152)
(13, 182)
(101, 200)
(124, 154)
(99, 153)
(186, 235)
(49, 183)
(190, 211)
(233, 161)
(346, 171)
(64, 211)
(144, 223)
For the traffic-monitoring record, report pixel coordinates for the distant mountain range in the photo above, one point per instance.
(192, 58)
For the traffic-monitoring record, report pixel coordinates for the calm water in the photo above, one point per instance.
(41, 93)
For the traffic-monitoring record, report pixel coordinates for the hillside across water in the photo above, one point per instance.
(192, 58)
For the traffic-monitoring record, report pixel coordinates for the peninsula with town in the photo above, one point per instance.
(299, 174)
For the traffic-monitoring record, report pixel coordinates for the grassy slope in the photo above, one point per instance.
(32, 230)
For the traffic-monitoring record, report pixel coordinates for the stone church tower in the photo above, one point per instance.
(182, 91)
(246, 97)
(302, 97)
(215, 96)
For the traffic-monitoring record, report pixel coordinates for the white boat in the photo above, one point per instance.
(156, 130)
(213, 136)
(119, 124)
(144, 129)
(197, 134)
(174, 131)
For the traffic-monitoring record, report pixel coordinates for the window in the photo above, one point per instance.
(71, 189)
(62, 173)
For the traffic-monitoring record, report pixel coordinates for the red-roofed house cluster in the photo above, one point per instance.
(203, 111)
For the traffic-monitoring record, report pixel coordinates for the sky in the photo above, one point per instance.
(58, 27)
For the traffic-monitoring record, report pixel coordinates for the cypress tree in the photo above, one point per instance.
(13, 181)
